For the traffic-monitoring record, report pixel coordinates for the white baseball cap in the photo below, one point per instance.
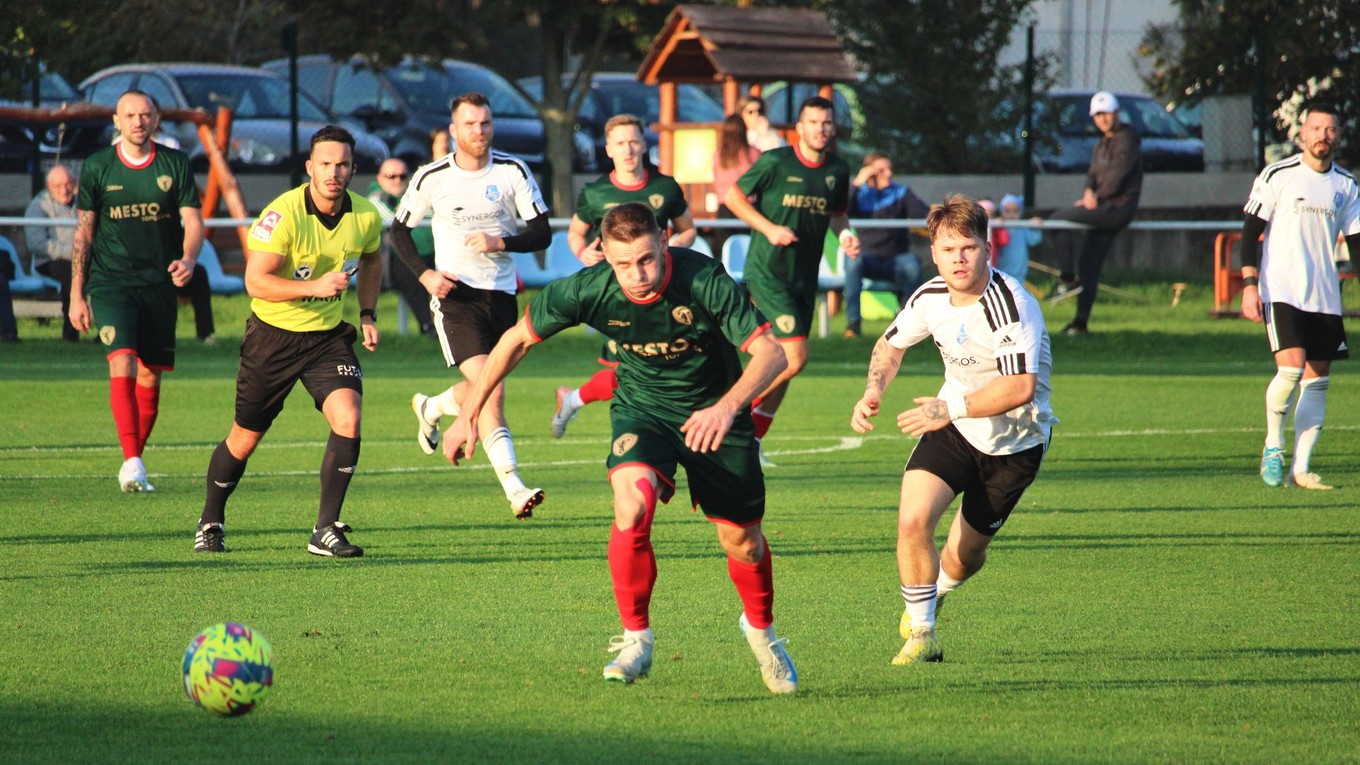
(1102, 102)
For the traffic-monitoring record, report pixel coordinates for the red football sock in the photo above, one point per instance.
(600, 387)
(755, 585)
(148, 406)
(632, 565)
(763, 422)
(123, 402)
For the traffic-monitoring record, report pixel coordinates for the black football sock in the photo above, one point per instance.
(337, 468)
(224, 472)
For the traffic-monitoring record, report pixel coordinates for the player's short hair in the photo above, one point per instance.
(623, 119)
(959, 214)
(333, 133)
(1319, 107)
(815, 102)
(155, 105)
(629, 222)
(875, 156)
(471, 99)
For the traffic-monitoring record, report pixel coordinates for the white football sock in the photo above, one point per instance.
(441, 405)
(500, 450)
(1308, 417)
(1279, 397)
(572, 401)
(920, 599)
(946, 584)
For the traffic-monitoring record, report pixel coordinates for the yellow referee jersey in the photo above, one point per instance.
(292, 227)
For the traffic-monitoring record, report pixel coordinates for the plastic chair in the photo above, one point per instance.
(734, 254)
(531, 274)
(561, 261)
(24, 283)
(701, 245)
(218, 280)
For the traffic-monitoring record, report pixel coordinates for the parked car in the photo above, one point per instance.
(620, 93)
(1064, 116)
(68, 142)
(259, 100)
(402, 104)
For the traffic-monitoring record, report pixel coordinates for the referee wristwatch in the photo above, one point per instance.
(371, 313)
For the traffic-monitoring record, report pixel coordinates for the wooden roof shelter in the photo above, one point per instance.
(731, 46)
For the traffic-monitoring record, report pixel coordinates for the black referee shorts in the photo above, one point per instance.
(273, 360)
(991, 485)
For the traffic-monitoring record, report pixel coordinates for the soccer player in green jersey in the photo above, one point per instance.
(800, 190)
(683, 399)
(138, 235)
(631, 181)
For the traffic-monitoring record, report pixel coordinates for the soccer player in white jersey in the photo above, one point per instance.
(475, 194)
(1302, 204)
(982, 435)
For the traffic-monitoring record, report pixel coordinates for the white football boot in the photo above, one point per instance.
(634, 658)
(132, 476)
(776, 667)
(428, 435)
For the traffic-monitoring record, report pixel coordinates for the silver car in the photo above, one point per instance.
(259, 100)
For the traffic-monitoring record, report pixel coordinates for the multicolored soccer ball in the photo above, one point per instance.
(228, 669)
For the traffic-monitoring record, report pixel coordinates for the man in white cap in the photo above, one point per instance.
(1108, 203)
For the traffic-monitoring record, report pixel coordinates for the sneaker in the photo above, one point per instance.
(1307, 481)
(634, 658)
(523, 502)
(210, 340)
(331, 542)
(1062, 290)
(1076, 330)
(428, 435)
(852, 330)
(1272, 466)
(210, 538)
(132, 476)
(922, 646)
(766, 462)
(565, 412)
(776, 667)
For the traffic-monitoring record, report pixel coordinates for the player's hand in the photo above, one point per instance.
(929, 415)
(484, 242)
(850, 244)
(706, 428)
(181, 271)
(866, 408)
(370, 331)
(460, 440)
(330, 285)
(592, 253)
(438, 283)
(781, 236)
(1252, 307)
(79, 313)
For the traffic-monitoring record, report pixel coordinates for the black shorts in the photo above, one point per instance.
(469, 321)
(1322, 336)
(273, 360)
(991, 485)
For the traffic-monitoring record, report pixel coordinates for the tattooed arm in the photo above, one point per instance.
(80, 264)
(883, 366)
(1000, 395)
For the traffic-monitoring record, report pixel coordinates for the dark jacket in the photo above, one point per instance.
(1116, 174)
(896, 202)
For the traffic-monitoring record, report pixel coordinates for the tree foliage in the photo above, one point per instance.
(1290, 49)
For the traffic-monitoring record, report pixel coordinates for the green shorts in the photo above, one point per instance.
(788, 307)
(139, 320)
(727, 484)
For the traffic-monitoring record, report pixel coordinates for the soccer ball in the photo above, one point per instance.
(228, 669)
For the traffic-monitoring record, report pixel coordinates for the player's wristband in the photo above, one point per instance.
(370, 313)
(1250, 281)
(846, 233)
(957, 406)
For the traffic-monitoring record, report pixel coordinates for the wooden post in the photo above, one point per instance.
(669, 115)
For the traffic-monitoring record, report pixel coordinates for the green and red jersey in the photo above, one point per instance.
(792, 192)
(659, 192)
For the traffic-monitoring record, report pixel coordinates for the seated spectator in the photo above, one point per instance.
(385, 193)
(9, 327)
(1013, 259)
(885, 253)
(50, 246)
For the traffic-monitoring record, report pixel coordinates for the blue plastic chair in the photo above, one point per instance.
(24, 283)
(734, 254)
(219, 281)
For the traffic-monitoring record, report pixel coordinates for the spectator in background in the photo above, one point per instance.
(997, 237)
(51, 246)
(733, 158)
(759, 132)
(9, 326)
(885, 253)
(385, 194)
(1014, 256)
(439, 142)
(1108, 204)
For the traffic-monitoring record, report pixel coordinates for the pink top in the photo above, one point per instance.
(725, 177)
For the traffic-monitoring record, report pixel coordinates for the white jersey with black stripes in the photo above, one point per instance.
(1002, 333)
(465, 203)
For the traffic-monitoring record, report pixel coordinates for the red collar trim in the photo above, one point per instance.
(665, 282)
(127, 162)
(798, 153)
(614, 179)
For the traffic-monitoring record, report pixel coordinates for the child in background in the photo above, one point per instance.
(1013, 258)
(999, 237)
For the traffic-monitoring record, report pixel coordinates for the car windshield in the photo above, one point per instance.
(619, 96)
(248, 96)
(431, 90)
(1144, 115)
(54, 87)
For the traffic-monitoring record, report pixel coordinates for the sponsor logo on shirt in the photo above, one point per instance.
(619, 323)
(113, 187)
(1006, 342)
(683, 314)
(264, 230)
(958, 361)
(1301, 206)
(666, 350)
(302, 273)
(805, 202)
(623, 443)
(147, 211)
(164, 182)
(793, 179)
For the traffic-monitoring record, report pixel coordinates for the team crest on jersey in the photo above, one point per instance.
(492, 193)
(831, 183)
(164, 182)
(656, 201)
(302, 273)
(1338, 199)
(786, 323)
(623, 443)
(264, 230)
(107, 335)
(682, 314)
(962, 336)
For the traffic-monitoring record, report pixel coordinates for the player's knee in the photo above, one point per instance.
(744, 547)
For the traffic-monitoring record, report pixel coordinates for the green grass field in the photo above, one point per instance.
(1150, 601)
